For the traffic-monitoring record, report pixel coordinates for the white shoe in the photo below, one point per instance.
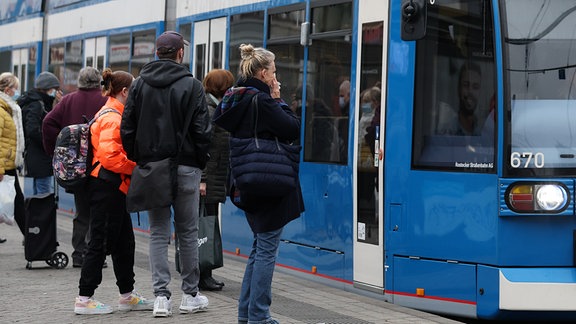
(162, 307)
(192, 304)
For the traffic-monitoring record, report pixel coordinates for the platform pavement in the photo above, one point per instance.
(46, 295)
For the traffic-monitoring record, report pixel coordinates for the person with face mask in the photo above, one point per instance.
(11, 142)
(36, 104)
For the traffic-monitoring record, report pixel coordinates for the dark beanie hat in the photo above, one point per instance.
(46, 80)
(89, 77)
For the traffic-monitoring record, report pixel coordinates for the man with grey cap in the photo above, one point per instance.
(152, 129)
(35, 104)
(75, 108)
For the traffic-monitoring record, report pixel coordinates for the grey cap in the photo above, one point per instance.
(89, 77)
(46, 80)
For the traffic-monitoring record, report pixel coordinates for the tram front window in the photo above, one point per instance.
(454, 95)
(541, 95)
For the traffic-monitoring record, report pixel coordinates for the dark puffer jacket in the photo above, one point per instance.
(275, 119)
(35, 105)
(216, 172)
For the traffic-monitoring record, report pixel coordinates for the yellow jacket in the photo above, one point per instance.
(7, 138)
(107, 145)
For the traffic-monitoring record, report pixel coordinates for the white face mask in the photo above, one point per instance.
(52, 93)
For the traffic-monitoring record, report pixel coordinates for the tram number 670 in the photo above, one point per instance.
(537, 159)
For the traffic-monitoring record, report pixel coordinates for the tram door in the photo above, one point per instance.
(95, 52)
(370, 100)
(209, 50)
(20, 67)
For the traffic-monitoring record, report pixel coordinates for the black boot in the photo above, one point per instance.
(2, 240)
(206, 284)
(216, 282)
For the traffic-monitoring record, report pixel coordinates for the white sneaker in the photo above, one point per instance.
(162, 307)
(192, 304)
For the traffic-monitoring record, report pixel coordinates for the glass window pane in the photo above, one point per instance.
(200, 61)
(289, 67)
(454, 104)
(186, 32)
(144, 48)
(332, 17)
(56, 63)
(326, 128)
(5, 61)
(217, 59)
(247, 28)
(73, 64)
(119, 56)
(285, 24)
(28, 78)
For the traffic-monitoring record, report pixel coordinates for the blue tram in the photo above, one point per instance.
(438, 167)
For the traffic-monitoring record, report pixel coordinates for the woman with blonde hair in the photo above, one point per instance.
(267, 215)
(11, 143)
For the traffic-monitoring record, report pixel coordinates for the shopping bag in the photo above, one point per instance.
(209, 241)
(7, 196)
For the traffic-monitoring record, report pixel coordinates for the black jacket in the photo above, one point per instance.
(35, 105)
(216, 173)
(155, 113)
(275, 118)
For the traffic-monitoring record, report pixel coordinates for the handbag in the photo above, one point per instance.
(209, 241)
(7, 196)
(152, 185)
(264, 167)
(155, 184)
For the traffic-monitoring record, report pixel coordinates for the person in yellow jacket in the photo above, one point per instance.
(111, 229)
(11, 143)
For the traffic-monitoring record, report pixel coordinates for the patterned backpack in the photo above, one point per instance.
(73, 154)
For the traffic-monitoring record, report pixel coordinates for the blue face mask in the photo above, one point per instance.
(16, 95)
(52, 93)
(366, 107)
(341, 102)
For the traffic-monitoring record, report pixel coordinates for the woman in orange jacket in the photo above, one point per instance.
(111, 229)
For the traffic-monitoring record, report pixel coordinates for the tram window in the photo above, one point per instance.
(284, 42)
(329, 107)
(73, 63)
(247, 28)
(186, 32)
(217, 59)
(454, 105)
(119, 55)
(143, 49)
(332, 17)
(200, 61)
(56, 62)
(286, 23)
(5, 58)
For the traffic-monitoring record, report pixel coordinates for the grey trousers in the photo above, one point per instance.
(185, 209)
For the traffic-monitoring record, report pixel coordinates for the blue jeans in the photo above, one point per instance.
(256, 291)
(43, 185)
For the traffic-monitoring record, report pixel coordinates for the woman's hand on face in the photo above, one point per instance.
(275, 89)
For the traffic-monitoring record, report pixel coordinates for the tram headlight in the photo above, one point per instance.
(533, 197)
(551, 197)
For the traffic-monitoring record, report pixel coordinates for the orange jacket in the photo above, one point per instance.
(107, 145)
